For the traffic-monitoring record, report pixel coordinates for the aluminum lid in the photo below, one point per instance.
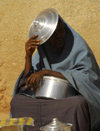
(56, 125)
(53, 126)
(44, 25)
(55, 79)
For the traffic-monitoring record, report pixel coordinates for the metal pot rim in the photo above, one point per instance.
(55, 79)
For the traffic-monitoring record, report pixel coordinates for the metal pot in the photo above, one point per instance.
(56, 125)
(52, 87)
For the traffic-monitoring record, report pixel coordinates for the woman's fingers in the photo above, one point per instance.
(32, 47)
(36, 84)
(32, 81)
(28, 82)
(34, 37)
(32, 88)
(34, 40)
(33, 43)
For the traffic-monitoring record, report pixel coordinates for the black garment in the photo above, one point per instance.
(68, 110)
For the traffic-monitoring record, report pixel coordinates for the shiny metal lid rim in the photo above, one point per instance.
(55, 79)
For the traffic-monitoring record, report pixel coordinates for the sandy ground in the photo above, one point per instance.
(15, 19)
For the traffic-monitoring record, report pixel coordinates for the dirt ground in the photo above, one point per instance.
(15, 19)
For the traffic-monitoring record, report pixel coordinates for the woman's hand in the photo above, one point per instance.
(34, 78)
(31, 45)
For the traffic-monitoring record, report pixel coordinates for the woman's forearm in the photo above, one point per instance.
(30, 46)
(53, 73)
(28, 64)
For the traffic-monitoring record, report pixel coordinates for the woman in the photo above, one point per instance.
(65, 55)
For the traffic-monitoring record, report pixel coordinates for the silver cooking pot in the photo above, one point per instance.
(52, 87)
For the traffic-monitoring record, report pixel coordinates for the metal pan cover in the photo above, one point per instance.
(44, 25)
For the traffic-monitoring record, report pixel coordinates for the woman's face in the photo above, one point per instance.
(57, 40)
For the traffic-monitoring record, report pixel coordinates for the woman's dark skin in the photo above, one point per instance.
(30, 47)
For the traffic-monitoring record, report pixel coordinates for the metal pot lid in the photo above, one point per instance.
(57, 125)
(57, 79)
(44, 25)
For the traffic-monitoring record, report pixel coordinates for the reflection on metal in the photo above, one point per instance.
(52, 88)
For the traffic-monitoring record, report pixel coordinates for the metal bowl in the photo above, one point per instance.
(52, 88)
(44, 25)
